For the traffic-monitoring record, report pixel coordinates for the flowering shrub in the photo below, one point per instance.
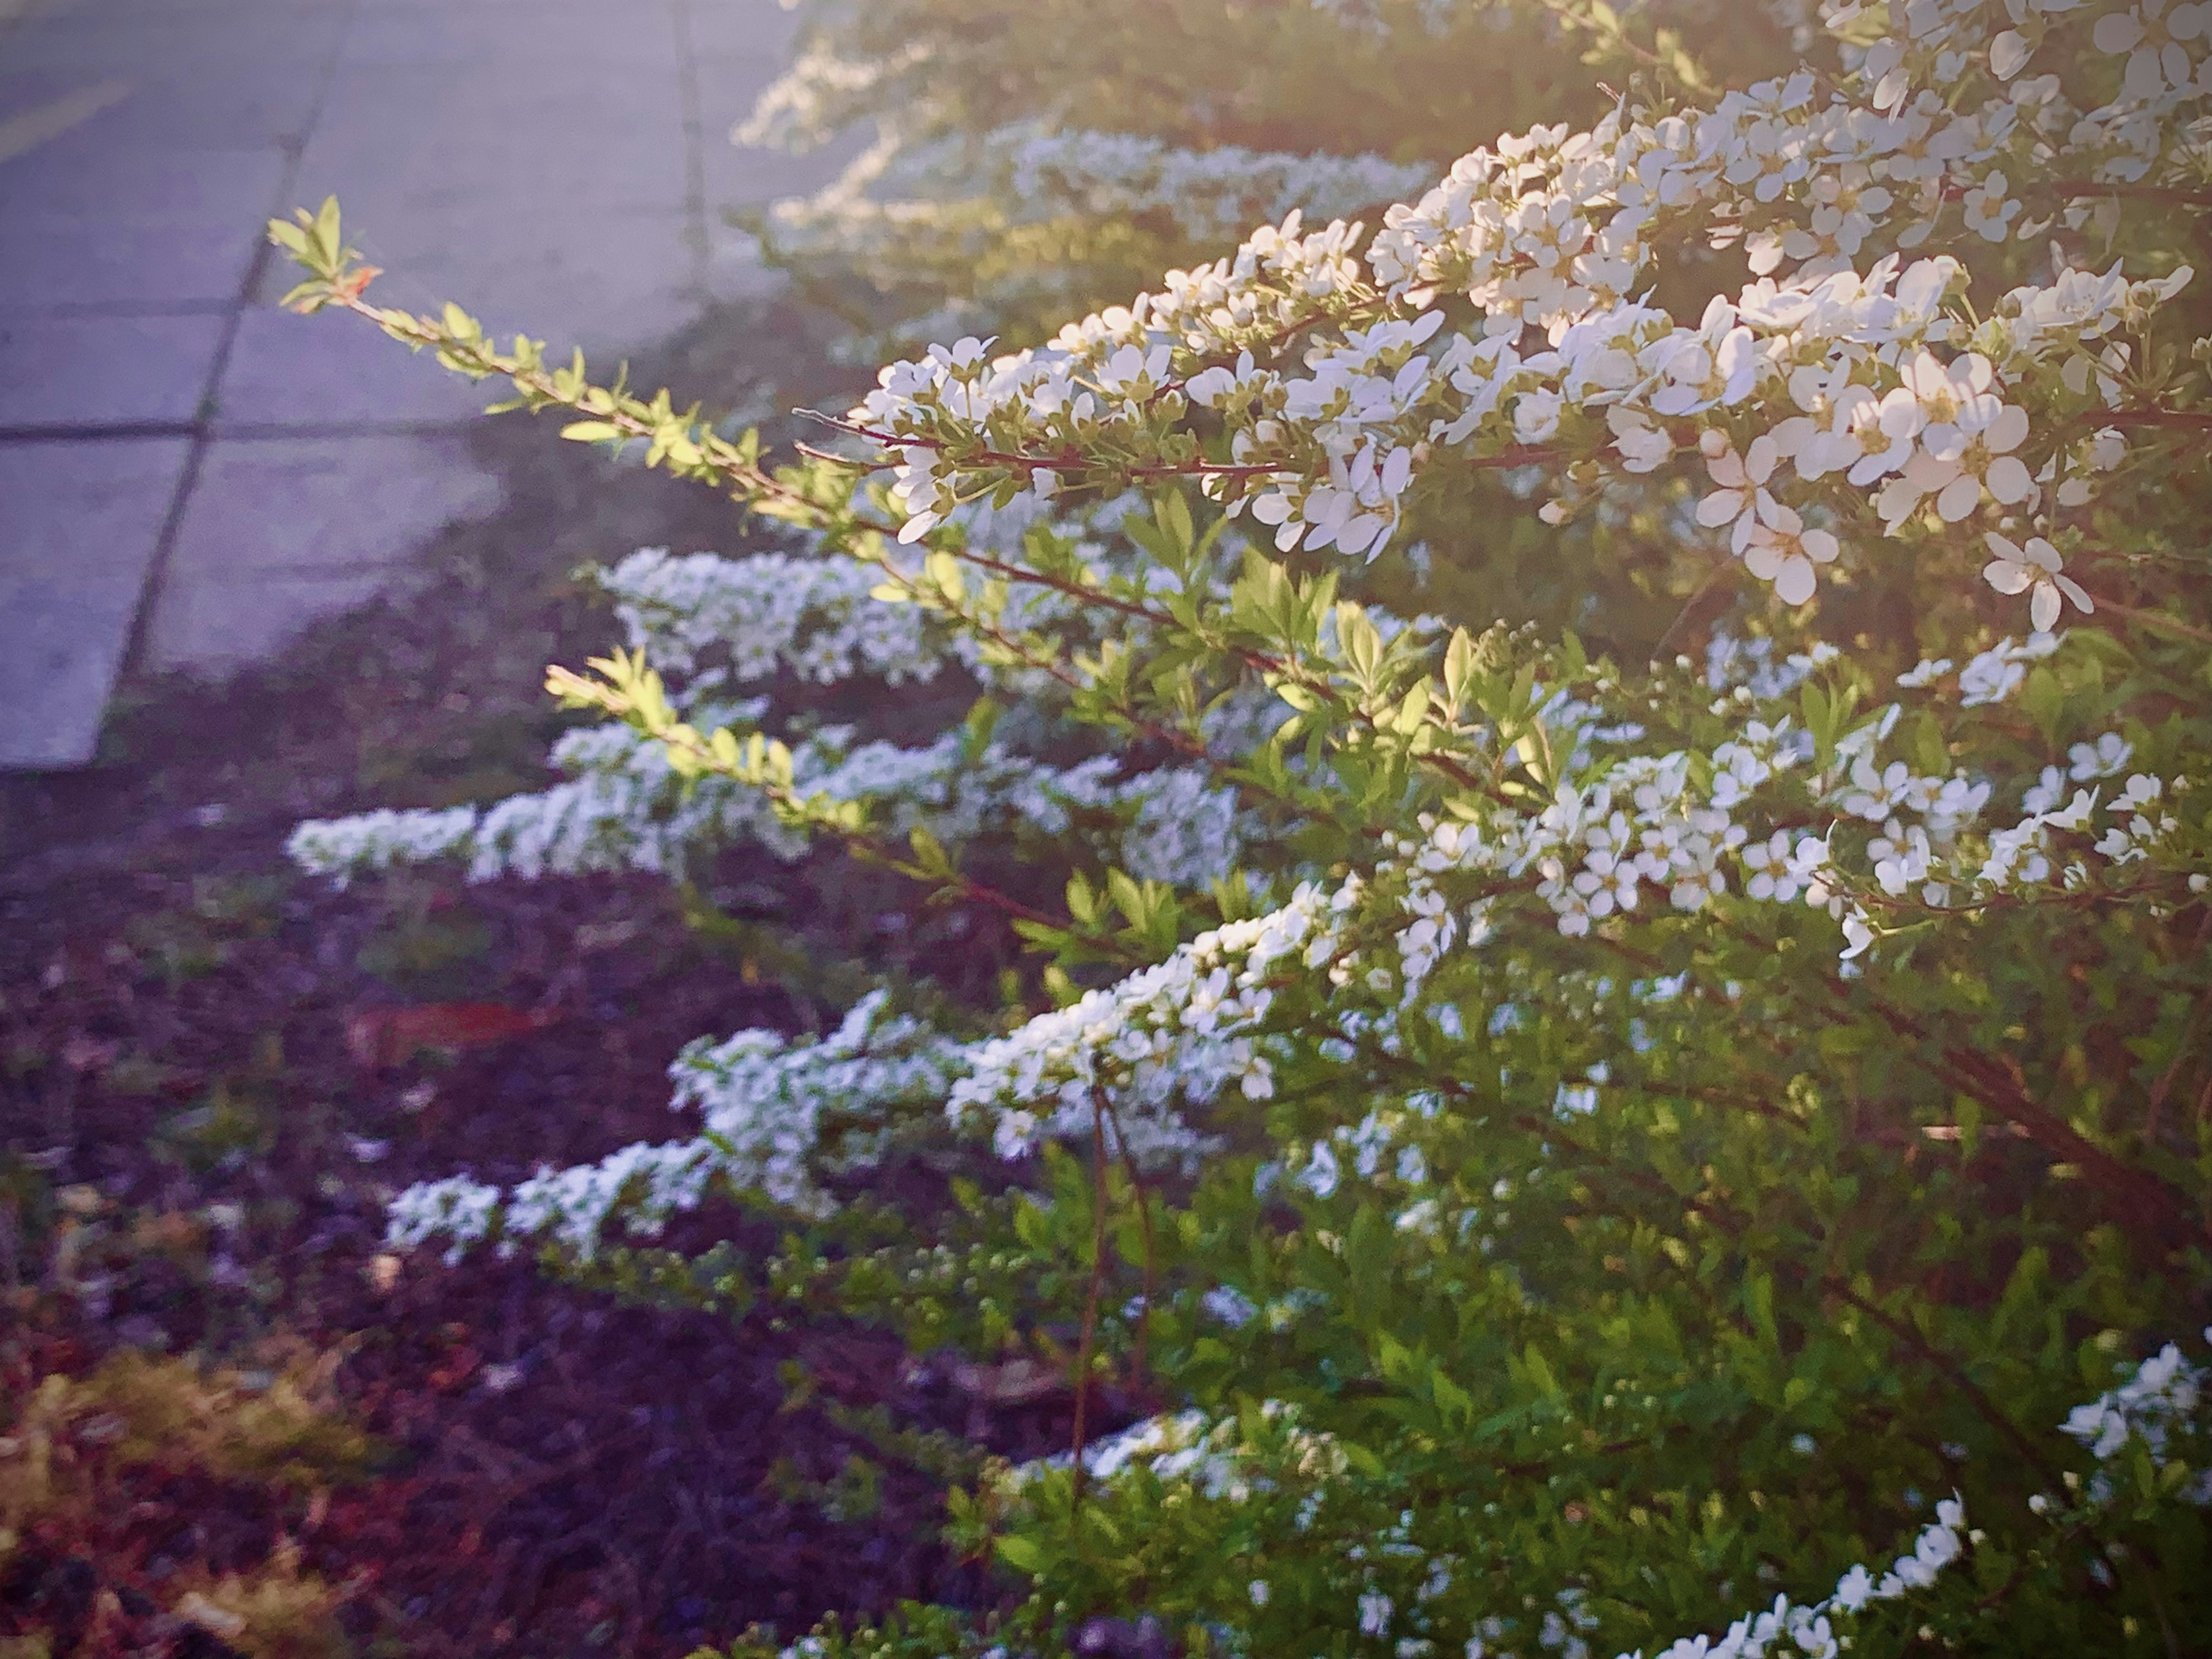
(986, 197)
(1637, 1132)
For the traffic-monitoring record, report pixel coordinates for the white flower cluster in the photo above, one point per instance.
(628, 809)
(1864, 416)
(2165, 1394)
(2150, 1409)
(1207, 194)
(820, 93)
(1174, 1034)
(1637, 826)
(1186, 831)
(1142, 1058)
(341, 848)
(711, 621)
(624, 808)
(714, 620)
(1215, 1457)
(1866, 398)
(1811, 1628)
(913, 206)
(1555, 222)
(776, 1116)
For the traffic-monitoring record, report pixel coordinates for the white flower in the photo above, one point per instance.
(2153, 46)
(1644, 448)
(2045, 792)
(1374, 1611)
(1824, 437)
(2102, 759)
(1536, 417)
(1942, 390)
(2075, 815)
(1229, 1305)
(1696, 378)
(2139, 792)
(1773, 871)
(1966, 435)
(1320, 1175)
(1925, 672)
(2016, 569)
(1979, 442)
(1742, 499)
(1783, 552)
(1880, 792)
(1989, 211)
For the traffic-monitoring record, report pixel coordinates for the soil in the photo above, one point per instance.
(188, 1028)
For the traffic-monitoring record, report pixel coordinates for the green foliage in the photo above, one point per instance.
(1609, 1268)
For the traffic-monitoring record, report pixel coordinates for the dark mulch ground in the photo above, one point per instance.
(565, 1475)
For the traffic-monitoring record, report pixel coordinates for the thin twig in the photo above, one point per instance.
(2157, 619)
(1145, 1223)
(1075, 461)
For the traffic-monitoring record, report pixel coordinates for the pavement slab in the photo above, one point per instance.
(223, 623)
(60, 265)
(312, 374)
(190, 475)
(317, 507)
(59, 373)
(79, 524)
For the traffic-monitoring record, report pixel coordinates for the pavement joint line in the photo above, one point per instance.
(94, 310)
(223, 431)
(230, 432)
(695, 161)
(203, 438)
(102, 432)
(398, 564)
(262, 432)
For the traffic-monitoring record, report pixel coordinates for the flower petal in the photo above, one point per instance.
(1794, 582)
(2045, 607)
(1960, 497)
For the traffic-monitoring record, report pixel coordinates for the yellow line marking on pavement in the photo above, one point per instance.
(21, 133)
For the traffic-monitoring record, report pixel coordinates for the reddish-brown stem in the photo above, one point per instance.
(2136, 1201)
(2155, 619)
(1073, 461)
(2187, 420)
(2137, 192)
(1952, 1372)
(1145, 1222)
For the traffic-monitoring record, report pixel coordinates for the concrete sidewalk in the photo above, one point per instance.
(188, 475)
